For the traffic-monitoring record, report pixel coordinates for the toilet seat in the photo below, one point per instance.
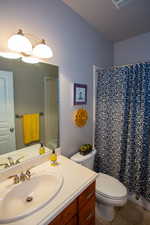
(109, 191)
(109, 187)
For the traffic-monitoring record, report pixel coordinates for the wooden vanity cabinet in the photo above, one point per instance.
(81, 211)
(86, 206)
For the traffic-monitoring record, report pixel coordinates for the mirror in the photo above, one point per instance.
(28, 89)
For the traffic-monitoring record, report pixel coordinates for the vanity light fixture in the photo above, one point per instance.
(19, 43)
(21, 47)
(43, 51)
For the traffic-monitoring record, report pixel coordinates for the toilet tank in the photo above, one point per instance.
(85, 160)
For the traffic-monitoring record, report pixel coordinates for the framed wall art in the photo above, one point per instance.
(80, 94)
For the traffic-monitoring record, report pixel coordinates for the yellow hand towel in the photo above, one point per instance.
(31, 130)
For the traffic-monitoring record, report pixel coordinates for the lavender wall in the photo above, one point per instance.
(133, 50)
(76, 48)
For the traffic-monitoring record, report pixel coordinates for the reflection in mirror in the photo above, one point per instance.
(28, 105)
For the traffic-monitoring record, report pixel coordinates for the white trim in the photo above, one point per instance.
(95, 69)
(46, 78)
(13, 107)
(94, 104)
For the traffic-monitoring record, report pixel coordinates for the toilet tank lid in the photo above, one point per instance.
(80, 158)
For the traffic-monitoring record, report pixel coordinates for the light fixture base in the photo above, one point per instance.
(20, 32)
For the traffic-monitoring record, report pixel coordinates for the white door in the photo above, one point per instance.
(7, 118)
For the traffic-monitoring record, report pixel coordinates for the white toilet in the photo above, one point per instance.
(109, 191)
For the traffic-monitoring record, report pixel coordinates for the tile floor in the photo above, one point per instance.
(130, 214)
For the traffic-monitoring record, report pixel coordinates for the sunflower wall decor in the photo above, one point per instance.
(80, 117)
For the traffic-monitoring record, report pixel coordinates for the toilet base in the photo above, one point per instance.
(107, 212)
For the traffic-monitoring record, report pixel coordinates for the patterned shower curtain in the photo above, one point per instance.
(122, 135)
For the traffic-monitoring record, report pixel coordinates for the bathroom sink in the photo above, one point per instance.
(23, 199)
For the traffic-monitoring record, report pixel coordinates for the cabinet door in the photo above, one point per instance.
(73, 221)
(65, 217)
(86, 206)
(56, 221)
(87, 213)
(86, 195)
(81, 211)
(69, 212)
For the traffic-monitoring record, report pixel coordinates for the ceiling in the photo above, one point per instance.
(115, 24)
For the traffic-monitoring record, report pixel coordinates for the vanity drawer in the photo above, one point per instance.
(86, 195)
(87, 213)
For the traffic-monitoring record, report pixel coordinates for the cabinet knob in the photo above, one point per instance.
(89, 217)
(11, 129)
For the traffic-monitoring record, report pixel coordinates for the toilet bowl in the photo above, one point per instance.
(109, 191)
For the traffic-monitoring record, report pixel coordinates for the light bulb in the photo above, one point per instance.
(42, 50)
(20, 43)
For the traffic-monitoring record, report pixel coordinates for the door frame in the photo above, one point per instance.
(10, 76)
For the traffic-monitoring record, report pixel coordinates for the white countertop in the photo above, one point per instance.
(76, 179)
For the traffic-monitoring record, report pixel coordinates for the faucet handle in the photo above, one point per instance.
(16, 179)
(28, 173)
(22, 176)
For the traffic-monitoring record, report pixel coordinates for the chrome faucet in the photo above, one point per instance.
(11, 162)
(22, 177)
(16, 179)
(25, 176)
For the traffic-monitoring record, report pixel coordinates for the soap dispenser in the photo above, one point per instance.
(41, 149)
(53, 158)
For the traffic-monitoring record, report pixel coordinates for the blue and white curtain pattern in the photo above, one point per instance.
(122, 135)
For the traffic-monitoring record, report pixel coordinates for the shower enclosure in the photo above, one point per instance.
(122, 130)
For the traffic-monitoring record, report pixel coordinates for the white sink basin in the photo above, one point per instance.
(20, 200)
